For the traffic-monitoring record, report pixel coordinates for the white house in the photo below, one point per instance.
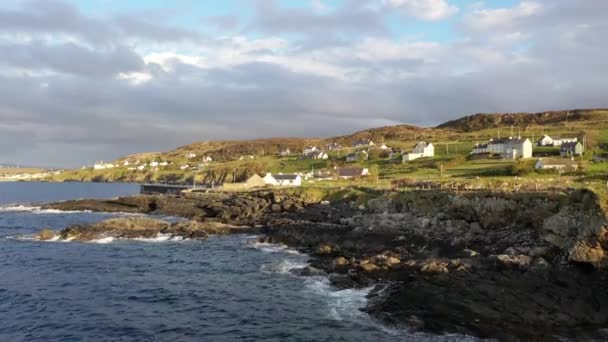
(164, 163)
(184, 167)
(556, 164)
(518, 148)
(126, 163)
(310, 149)
(190, 155)
(154, 164)
(334, 146)
(207, 159)
(422, 149)
(352, 172)
(545, 141)
(363, 143)
(102, 166)
(285, 153)
(283, 180)
(384, 147)
(141, 167)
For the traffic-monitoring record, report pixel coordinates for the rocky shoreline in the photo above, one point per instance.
(511, 266)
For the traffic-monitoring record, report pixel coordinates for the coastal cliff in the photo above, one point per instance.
(510, 266)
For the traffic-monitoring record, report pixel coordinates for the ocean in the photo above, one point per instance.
(227, 288)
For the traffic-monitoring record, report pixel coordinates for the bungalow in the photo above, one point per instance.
(190, 155)
(359, 155)
(126, 163)
(164, 163)
(154, 164)
(184, 167)
(518, 148)
(384, 147)
(207, 159)
(571, 149)
(283, 180)
(315, 155)
(352, 172)
(363, 143)
(556, 164)
(285, 153)
(334, 146)
(141, 167)
(421, 149)
(548, 141)
(310, 149)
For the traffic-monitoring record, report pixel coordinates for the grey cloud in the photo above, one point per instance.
(49, 17)
(351, 17)
(71, 58)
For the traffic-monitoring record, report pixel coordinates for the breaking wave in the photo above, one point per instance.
(37, 210)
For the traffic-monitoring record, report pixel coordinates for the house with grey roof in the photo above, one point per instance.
(571, 149)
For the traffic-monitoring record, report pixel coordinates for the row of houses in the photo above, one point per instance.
(515, 148)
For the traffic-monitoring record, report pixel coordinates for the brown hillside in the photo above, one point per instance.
(484, 121)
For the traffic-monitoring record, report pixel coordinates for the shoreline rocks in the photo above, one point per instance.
(507, 266)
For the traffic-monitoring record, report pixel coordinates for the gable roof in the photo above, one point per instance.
(570, 145)
(285, 177)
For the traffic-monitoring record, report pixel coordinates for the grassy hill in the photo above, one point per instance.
(235, 160)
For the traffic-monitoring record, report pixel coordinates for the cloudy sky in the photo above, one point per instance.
(85, 80)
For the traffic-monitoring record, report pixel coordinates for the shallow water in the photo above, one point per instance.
(222, 289)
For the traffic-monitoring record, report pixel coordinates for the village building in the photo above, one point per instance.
(315, 155)
(141, 167)
(309, 149)
(154, 164)
(548, 141)
(363, 143)
(285, 153)
(283, 179)
(126, 163)
(508, 148)
(184, 167)
(102, 166)
(421, 149)
(334, 146)
(352, 172)
(571, 149)
(207, 159)
(164, 163)
(562, 164)
(384, 147)
(190, 155)
(359, 155)
(518, 148)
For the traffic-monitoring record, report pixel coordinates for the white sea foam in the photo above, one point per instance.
(343, 304)
(161, 238)
(283, 267)
(273, 248)
(37, 210)
(103, 241)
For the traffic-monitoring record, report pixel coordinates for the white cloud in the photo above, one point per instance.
(424, 9)
(501, 18)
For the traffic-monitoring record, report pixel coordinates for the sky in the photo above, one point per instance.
(89, 80)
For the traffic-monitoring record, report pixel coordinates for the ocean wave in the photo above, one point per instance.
(343, 304)
(37, 210)
(284, 266)
(273, 248)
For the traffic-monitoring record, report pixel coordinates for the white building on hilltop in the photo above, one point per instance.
(422, 149)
